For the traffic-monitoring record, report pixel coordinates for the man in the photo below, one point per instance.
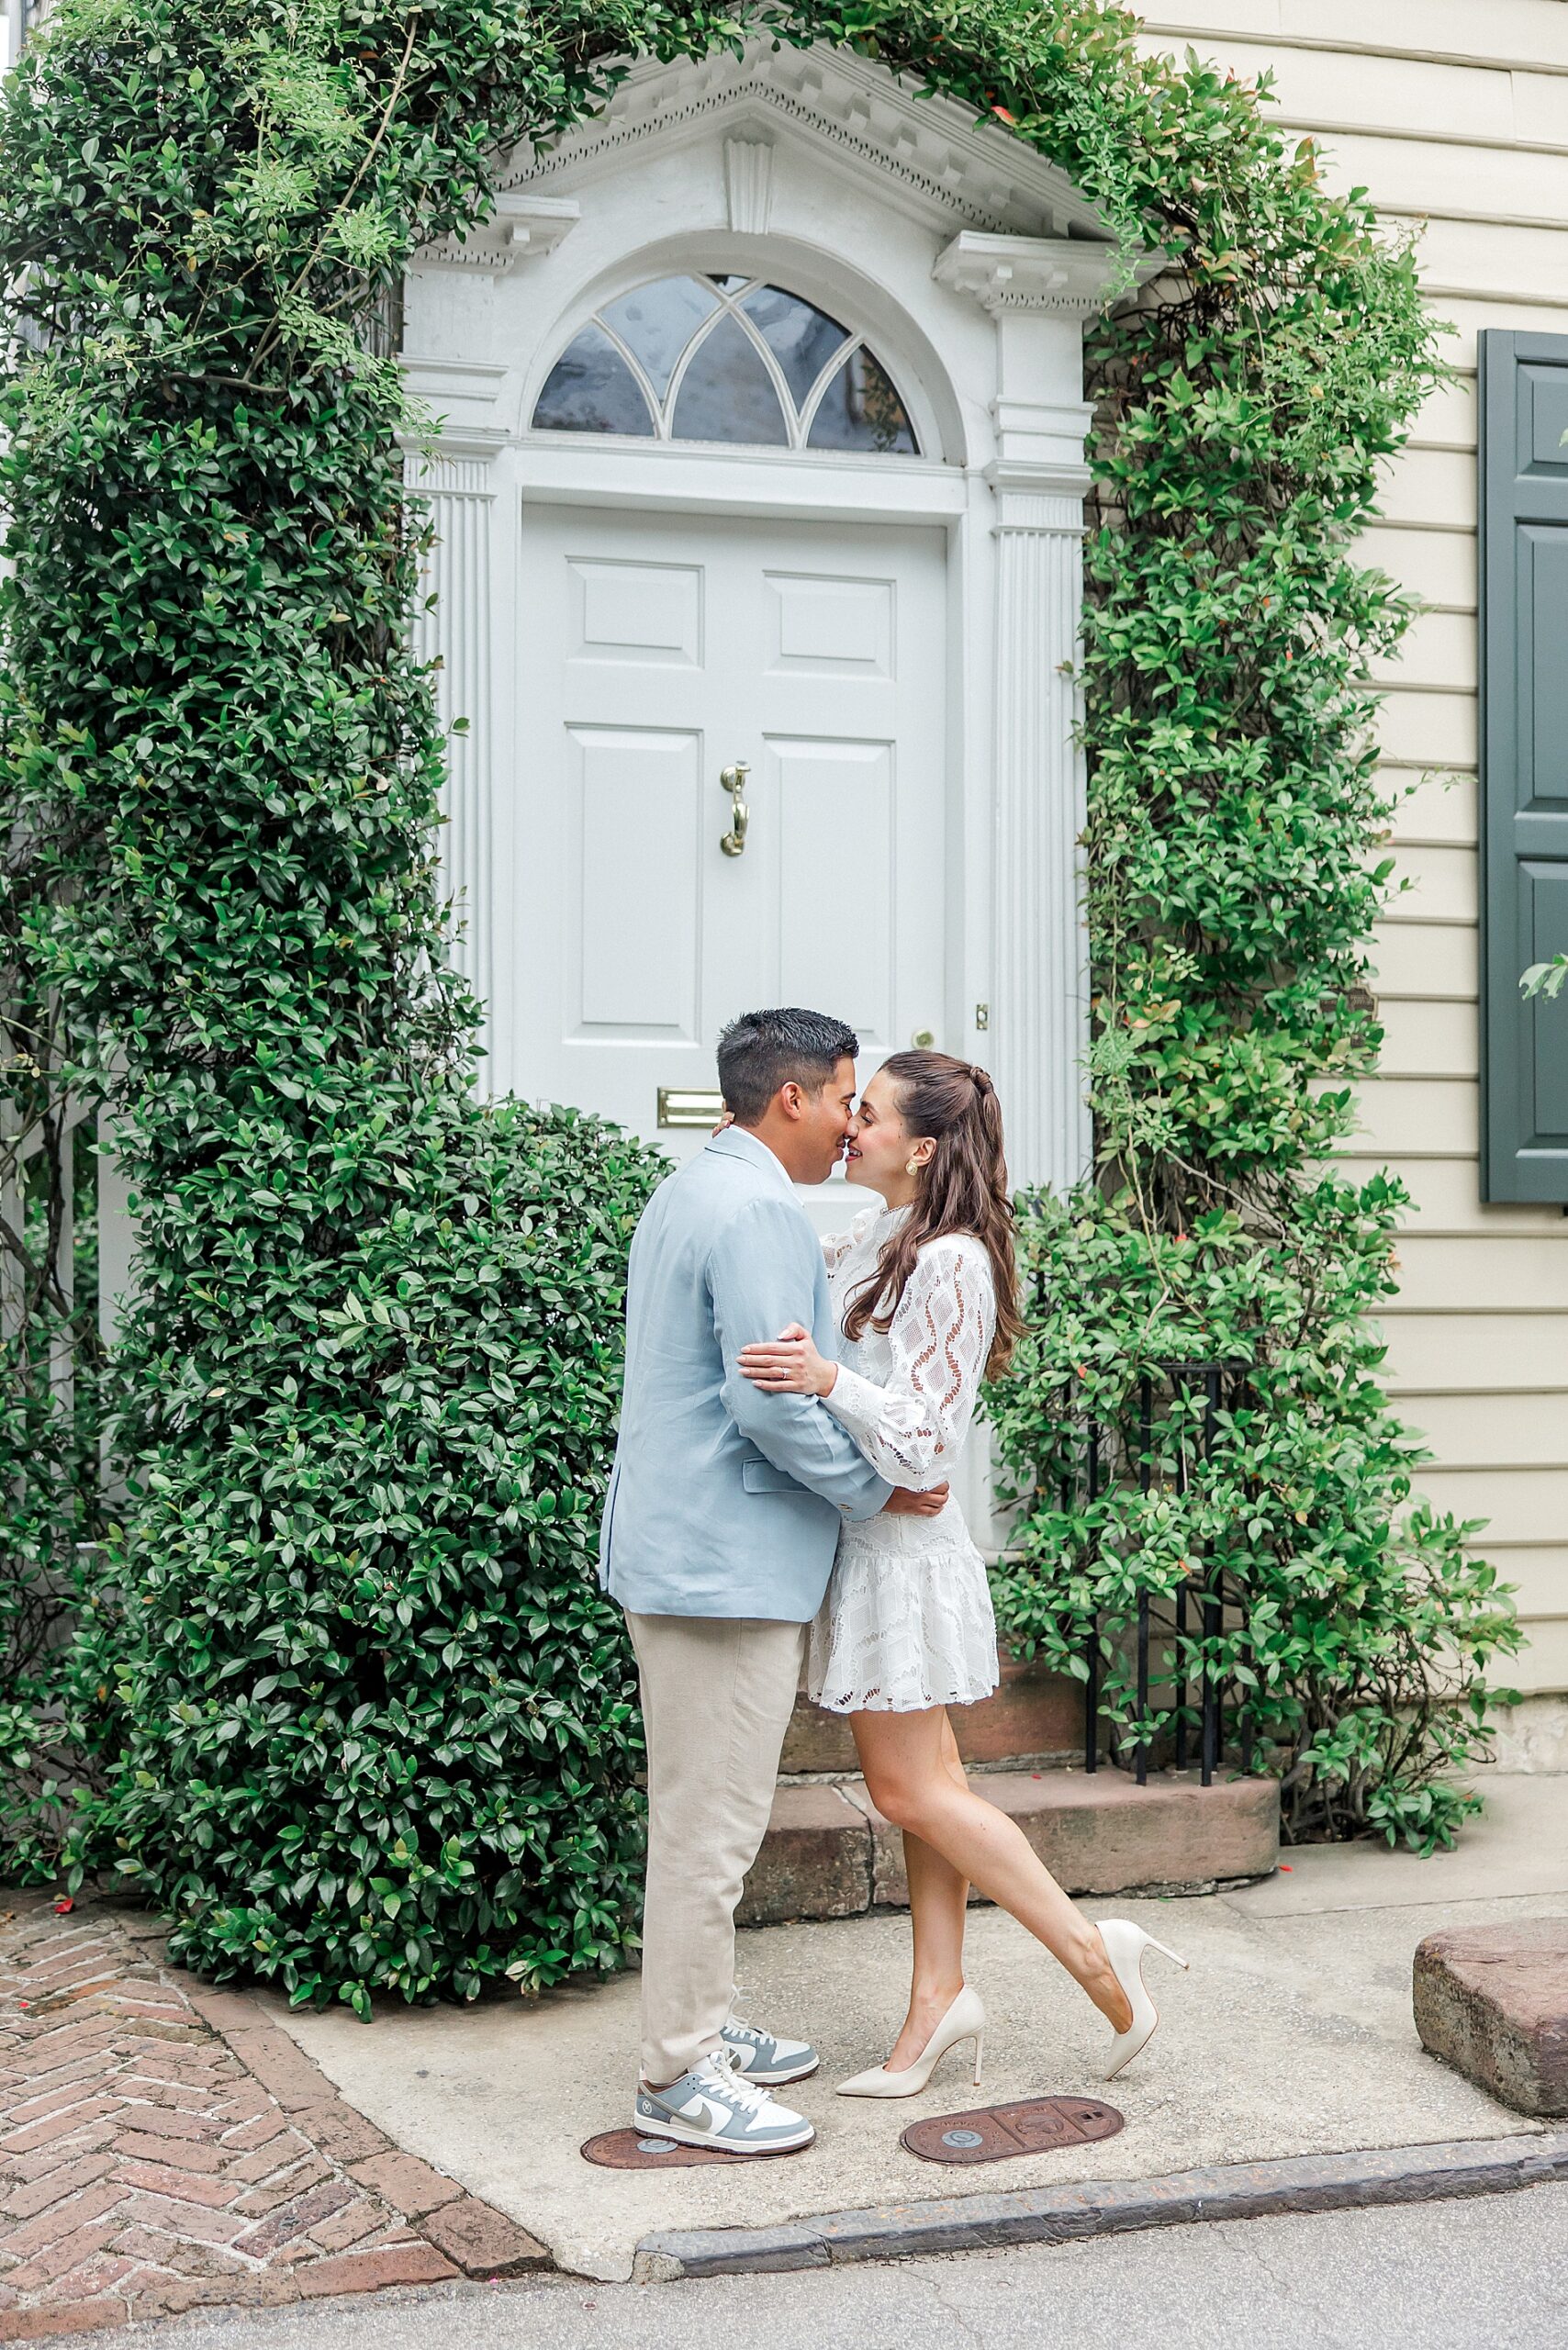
(719, 1528)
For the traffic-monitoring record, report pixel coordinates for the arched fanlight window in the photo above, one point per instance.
(724, 359)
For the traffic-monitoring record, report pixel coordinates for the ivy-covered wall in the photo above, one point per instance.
(347, 1701)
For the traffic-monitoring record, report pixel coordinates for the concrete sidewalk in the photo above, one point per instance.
(1292, 2035)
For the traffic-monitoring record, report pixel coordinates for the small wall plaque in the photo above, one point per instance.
(681, 1107)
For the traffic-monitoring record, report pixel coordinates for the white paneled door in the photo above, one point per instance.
(655, 651)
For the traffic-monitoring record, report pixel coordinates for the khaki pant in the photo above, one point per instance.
(717, 1694)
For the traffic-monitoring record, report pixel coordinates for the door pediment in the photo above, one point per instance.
(936, 162)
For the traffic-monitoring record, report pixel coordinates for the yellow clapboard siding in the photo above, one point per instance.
(1538, 110)
(1518, 1505)
(1427, 729)
(1409, 176)
(1416, 1118)
(1452, 1354)
(1440, 883)
(1335, 90)
(1201, 23)
(1446, 1198)
(1467, 312)
(1431, 485)
(1436, 565)
(1492, 1431)
(1446, 112)
(1420, 959)
(1543, 1666)
(1428, 1039)
(1476, 31)
(1434, 808)
(1447, 417)
(1411, 958)
(1438, 650)
(1515, 1276)
(1480, 254)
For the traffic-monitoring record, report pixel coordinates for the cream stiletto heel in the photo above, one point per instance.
(965, 2020)
(1125, 1946)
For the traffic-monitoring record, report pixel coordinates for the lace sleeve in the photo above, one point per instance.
(836, 1246)
(913, 1430)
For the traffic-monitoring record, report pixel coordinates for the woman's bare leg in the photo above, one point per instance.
(937, 1897)
(911, 1782)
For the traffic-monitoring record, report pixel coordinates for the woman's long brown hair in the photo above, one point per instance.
(962, 1188)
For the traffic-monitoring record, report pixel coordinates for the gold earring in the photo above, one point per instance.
(912, 1167)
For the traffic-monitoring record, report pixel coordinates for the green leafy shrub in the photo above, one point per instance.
(376, 1324)
(380, 1723)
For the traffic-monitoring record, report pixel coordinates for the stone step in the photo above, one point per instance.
(1034, 1714)
(829, 1852)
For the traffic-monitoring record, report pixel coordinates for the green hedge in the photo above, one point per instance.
(222, 765)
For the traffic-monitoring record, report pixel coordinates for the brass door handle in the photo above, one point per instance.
(732, 780)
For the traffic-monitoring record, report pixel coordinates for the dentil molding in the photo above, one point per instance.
(942, 166)
(1068, 276)
(520, 227)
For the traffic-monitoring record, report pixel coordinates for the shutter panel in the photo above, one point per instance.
(1524, 761)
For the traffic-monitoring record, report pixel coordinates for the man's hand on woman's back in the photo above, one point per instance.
(903, 1504)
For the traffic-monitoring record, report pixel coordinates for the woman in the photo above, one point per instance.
(925, 1293)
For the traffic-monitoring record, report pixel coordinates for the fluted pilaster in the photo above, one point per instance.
(458, 629)
(1040, 1002)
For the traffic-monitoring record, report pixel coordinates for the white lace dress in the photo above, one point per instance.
(907, 1621)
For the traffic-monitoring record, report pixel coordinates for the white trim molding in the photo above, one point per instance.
(463, 571)
(971, 267)
(942, 164)
(748, 184)
(519, 228)
(1059, 273)
(1038, 291)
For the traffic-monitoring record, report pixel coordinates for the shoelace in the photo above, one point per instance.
(734, 2085)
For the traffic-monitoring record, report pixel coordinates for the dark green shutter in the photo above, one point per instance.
(1524, 761)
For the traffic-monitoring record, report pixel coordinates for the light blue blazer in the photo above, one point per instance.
(724, 1501)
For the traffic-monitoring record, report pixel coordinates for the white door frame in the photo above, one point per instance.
(974, 265)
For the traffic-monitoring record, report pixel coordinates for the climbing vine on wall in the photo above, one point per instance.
(339, 1693)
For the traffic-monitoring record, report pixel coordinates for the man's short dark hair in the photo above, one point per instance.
(763, 1050)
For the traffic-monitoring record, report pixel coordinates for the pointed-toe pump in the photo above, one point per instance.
(1125, 1946)
(965, 2020)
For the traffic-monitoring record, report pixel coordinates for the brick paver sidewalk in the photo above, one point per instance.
(162, 2144)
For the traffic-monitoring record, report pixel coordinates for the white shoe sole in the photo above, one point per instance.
(782, 2078)
(686, 2136)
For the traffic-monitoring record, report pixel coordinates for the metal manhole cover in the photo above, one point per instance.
(628, 2150)
(994, 2134)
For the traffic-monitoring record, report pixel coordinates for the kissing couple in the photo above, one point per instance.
(794, 1410)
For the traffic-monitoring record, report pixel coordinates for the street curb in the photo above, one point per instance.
(1300, 2183)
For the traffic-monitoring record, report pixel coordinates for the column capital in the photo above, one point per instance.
(1068, 275)
(521, 226)
(464, 396)
(1033, 496)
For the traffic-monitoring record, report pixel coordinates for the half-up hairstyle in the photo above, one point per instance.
(963, 1188)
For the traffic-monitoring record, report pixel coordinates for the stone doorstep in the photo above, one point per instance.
(829, 1853)
(1033, 1713)
(1493, 2002)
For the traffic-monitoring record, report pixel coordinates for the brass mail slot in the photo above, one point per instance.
(678, 1107)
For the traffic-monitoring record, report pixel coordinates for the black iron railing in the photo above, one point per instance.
(1206, 1396)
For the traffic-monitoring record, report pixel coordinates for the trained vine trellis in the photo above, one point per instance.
(336, 1687)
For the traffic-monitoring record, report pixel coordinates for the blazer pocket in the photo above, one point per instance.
(762, 1477)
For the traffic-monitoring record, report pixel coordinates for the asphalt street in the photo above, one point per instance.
(1451, 2276)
